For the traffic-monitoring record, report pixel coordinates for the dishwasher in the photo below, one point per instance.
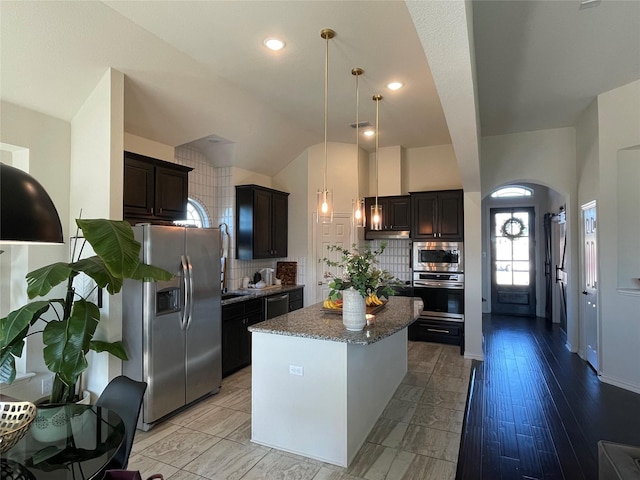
(276, 305)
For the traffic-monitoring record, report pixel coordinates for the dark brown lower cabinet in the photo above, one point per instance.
(236, 319)
(295, 299)
(236, 339)
(438, 331)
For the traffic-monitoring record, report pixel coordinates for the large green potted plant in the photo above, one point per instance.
(360, 272)
(360, 284)
(69, 336)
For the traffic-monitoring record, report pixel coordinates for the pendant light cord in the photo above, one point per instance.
(377, 98)
(326, 108)
(358, 141)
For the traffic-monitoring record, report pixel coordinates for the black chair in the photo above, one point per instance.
(124, 396)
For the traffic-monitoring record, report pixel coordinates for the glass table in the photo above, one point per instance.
(76, 445)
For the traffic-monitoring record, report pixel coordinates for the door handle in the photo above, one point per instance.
(584, 292)
(437, 330)
(278, 298)
(190, 270)
(185, 286)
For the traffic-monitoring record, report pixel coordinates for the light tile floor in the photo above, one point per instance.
(417, 436)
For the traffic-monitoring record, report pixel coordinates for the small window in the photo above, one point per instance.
(196, 215)
(512, 191)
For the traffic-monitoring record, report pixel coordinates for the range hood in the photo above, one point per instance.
(386, 234)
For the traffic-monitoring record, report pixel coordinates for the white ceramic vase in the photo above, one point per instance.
(354, 310)
(52, 422)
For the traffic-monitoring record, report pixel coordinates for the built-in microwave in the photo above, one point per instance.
(438, 257)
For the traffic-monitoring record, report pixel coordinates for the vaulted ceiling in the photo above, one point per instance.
(198, 69)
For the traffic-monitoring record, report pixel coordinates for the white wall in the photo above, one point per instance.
(292, 179)
(96, 172)
(240, 176)
(342, 172)
(43, 145)
(619, 128)
(473, 269)
(629, 219)
(144, 146)
(96, 167)
(389, 171)
(545, 157)
(431, 168)
(587, 154)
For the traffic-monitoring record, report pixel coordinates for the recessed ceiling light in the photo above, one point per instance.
(274, 44)
(368, 133)
(395, 85)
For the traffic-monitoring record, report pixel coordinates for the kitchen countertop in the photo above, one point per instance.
(313, 322)
(250, 293)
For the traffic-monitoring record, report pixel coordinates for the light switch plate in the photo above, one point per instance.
(296, 370)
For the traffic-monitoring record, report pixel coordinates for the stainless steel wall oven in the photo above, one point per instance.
(438, 279)
(442, 295)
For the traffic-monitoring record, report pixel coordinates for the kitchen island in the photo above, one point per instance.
(318, 389)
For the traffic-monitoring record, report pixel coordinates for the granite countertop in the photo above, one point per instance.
(249, 293)
(313, 322)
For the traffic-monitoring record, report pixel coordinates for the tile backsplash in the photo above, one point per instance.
(395, 258)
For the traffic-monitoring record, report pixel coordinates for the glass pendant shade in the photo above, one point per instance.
(325, 206)
(359, 217)
(376, 217)
(28, 214)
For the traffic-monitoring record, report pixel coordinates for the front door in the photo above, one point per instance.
(513, 287)
(337, 232)
(590, 282)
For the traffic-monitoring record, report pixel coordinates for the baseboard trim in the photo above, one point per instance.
(473, 356)
(620, 383)
(570, 347)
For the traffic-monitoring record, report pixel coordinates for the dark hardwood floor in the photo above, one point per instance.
(537, 411)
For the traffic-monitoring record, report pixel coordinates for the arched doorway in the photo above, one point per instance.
(521, 250)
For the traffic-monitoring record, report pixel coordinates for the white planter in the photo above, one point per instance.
(50, 424)
(354, 310)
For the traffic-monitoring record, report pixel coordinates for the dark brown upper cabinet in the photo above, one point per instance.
(437, 215)
(396, 214)
(155, 191)
(262, 225)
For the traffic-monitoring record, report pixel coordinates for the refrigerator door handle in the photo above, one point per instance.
(185, 281)
(190, 270)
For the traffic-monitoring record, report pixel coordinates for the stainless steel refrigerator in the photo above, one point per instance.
(172, 330)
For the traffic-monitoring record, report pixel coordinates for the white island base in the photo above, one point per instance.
(321, 398)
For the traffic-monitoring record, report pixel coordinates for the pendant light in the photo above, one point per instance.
(27, 213)
(358, 217)
(325, 197)
(376, 210)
